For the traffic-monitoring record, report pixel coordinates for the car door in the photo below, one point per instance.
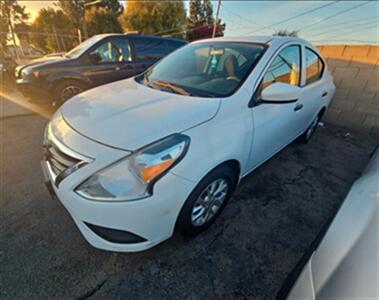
(147, 51)
(315, 87)
(104, 62)
(276, 124)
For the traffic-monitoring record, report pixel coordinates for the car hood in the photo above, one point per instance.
(128, 115)
(43, 61)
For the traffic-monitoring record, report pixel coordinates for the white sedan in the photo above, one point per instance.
(136, 159)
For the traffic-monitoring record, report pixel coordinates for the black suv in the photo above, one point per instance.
(99, 60)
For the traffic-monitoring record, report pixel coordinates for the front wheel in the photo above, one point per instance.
(206, 201)
(67, 89)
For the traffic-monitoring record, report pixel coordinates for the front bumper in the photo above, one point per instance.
(34, 89)
(124, 226)
(152, 219)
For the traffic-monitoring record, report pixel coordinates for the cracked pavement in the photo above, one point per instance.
(267, 226)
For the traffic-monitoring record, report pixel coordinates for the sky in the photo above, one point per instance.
(336, 22)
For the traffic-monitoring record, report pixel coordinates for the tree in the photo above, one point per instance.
(285, 32)
(113, 6)
(208, 11)
(75, 9)
(52, 31)
(196, 12)
(200, 21)
(11, 13)
(101, 20)
(152, 17)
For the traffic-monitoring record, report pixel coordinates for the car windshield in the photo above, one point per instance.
(81, 48)
(208, 69)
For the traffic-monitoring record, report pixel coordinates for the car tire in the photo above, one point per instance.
(187, 223)
(66, 89)
(311, 129)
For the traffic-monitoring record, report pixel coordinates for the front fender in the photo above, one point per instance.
(228, 136)
(53, 78)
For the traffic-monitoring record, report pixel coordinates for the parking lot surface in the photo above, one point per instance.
(267, 226)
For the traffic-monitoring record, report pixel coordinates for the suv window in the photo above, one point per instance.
(149, 49)
(117, 50)
(285, 68)
(315, 66)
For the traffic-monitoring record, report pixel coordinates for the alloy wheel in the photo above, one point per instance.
(70, 91)
(209, 202)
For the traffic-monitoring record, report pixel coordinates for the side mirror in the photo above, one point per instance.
(94, 57)
(281, 93)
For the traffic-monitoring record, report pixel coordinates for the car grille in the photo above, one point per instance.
(60, 163)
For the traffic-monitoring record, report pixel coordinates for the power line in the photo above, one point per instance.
(344, 28)
(188, 30)
(334, 15)
(351, 31)
(297, 16)
(342, 23)
(346, 40)
(240, 16)
(167, 31)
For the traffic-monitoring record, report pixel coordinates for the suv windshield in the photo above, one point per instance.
(81, 48)
(209, 69)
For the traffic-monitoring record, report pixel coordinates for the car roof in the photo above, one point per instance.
(104, 35)
(266, 39)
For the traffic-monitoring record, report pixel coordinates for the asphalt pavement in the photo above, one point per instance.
(267, 226)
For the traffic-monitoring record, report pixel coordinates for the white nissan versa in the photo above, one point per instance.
(135, 159)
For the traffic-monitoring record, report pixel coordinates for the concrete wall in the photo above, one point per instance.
(356, 102)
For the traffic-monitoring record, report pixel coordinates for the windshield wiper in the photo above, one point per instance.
(170, 86)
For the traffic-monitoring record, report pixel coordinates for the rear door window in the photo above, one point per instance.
(314, 65)
(124, 47)
(149, 49)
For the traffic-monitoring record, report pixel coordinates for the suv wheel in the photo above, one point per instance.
(206, 201)
(67, 89)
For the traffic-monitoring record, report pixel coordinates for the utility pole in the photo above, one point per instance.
(82, 21)
(217, 19)
(10, 25)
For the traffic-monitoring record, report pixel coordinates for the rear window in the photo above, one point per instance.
(315, 66)
(149, 49)
(173, 45)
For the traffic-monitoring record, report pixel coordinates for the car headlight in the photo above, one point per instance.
(133, 177)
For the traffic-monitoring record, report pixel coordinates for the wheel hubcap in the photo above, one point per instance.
(70, 91)
(209, 202)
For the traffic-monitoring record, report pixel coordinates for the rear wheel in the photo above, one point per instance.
(306, 136)
(66, 89)
(206, 201)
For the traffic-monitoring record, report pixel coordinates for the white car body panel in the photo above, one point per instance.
(134, 115)
(345, 264)
(110, 122)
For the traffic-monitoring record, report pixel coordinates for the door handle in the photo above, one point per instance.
(324, 94)
(298, 107)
